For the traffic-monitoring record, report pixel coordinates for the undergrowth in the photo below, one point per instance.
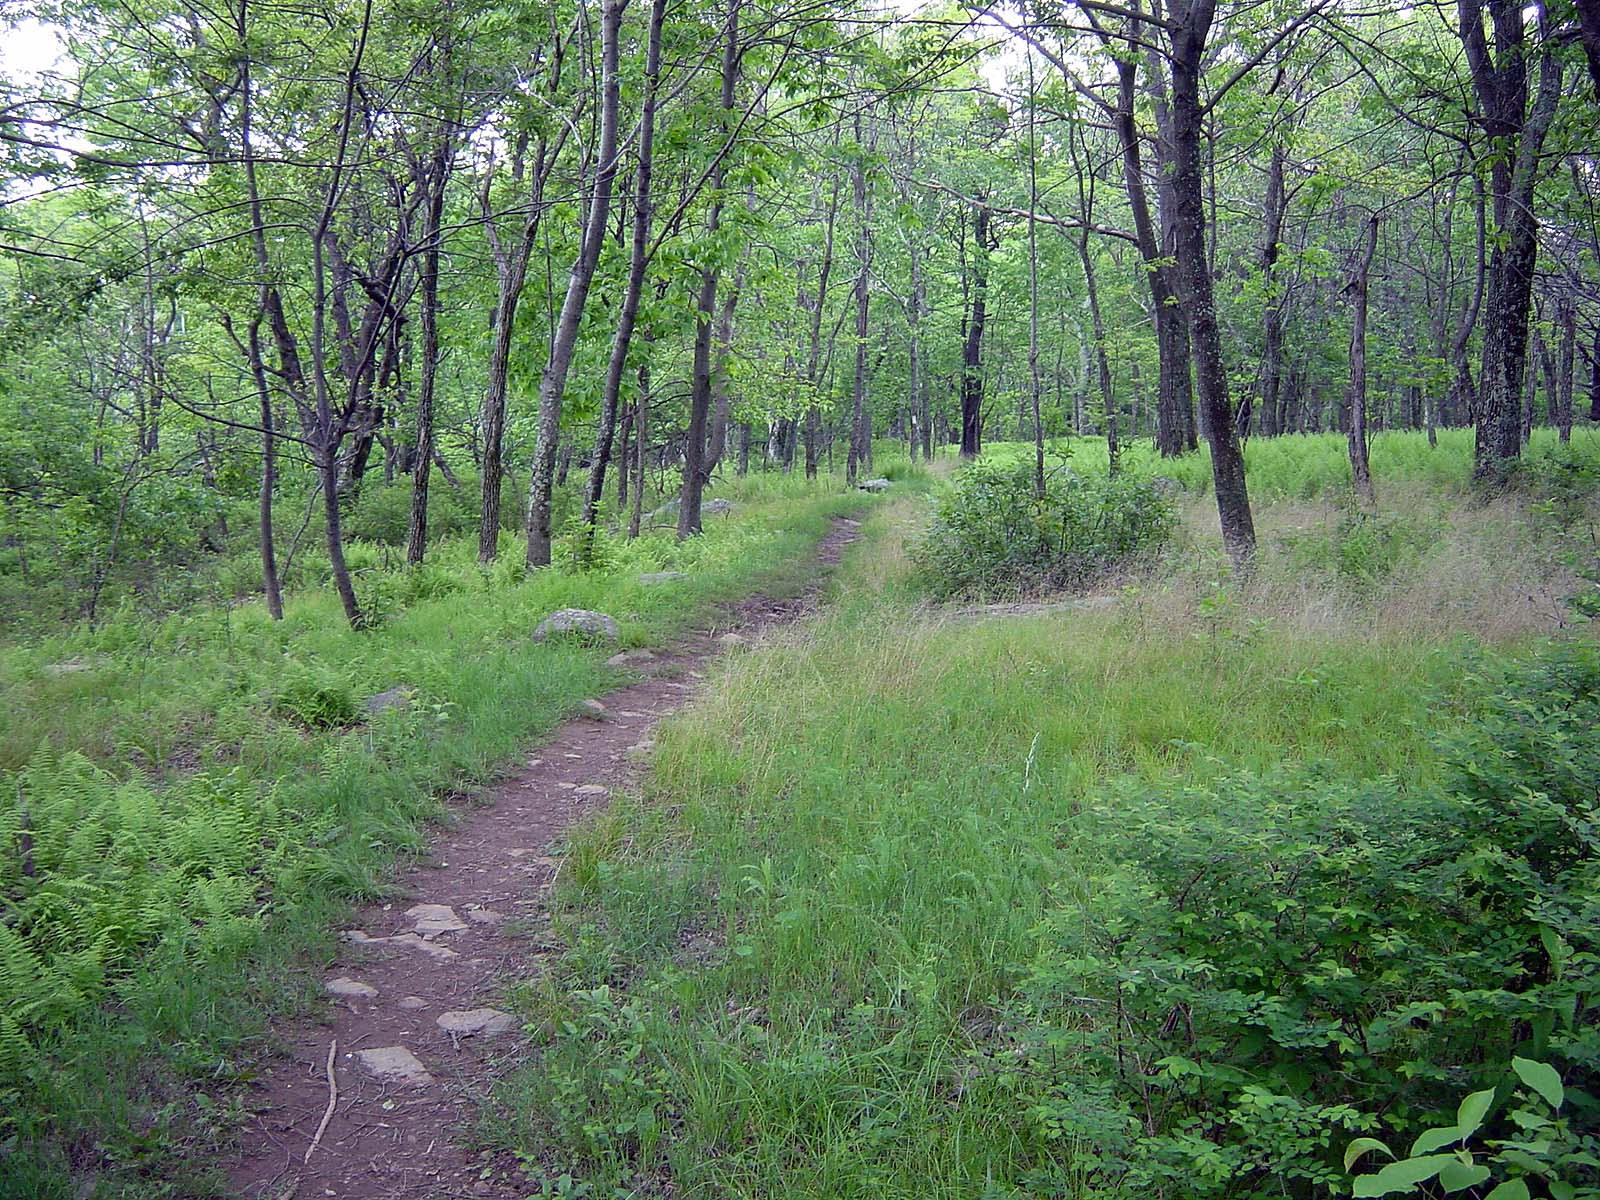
(192, 799)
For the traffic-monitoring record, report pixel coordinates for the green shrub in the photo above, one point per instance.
(992, 536)
(1275, 958)
(315, 695)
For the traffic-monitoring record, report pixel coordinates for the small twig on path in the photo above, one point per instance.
(333, 1099)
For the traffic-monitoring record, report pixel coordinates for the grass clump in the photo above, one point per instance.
(993, 535)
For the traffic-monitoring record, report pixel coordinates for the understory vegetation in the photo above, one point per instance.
(1184, 894)
(199, 796)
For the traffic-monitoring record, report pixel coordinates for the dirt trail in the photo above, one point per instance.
(415, 992)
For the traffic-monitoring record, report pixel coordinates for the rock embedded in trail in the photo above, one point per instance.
(631, 658)
(350, 989)
(593, 709)
(473, 1021)
(394, 1064)
(593, 791)
(431, 919)
(412, 1003)
(580, 622)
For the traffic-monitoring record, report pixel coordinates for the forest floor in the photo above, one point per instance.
(375, 1097)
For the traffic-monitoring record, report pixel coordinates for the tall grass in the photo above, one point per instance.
(792, 959)
(1310, 465)
(192, 799)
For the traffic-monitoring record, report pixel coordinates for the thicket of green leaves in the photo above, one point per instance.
(1275, 959)
(993, 535)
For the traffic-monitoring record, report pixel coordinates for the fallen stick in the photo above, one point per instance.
(333, 1099)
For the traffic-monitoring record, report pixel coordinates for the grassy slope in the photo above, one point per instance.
(193, 844)
(786, 959)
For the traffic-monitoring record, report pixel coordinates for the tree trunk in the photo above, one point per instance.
(1567, 325)
(638, 262)
(1356, 289)
(1272, 310)
(552, 383)
(860, 439)
(1517, 133)
(694, 469)
(972, 346)
(417, 527)
(1188, 116)
(269, 476)
(641, 422)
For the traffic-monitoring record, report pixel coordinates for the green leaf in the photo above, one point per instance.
(1542, 1078)
(1472, 1111)
(1361, 1146)
(1430, 1140)
(1402, 1176)
(1511, 1189)
(1460, 1175)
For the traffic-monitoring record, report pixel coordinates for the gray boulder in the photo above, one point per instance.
(395, 697)
(579, 622)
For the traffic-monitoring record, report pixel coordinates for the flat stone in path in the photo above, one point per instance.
(410, 941)
(411, 1003)
(350, 989)
(394, 1064)
(593, 790)
(471, 1021)
(631, 658)
(431, 919)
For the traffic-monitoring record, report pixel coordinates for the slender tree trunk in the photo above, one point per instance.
(860, 438)
(269, 476)
(1356, 289)
(972, 346)
(1188, 114)
(1272, 310)
(1035, 385)
(328, 472)
(1566, 353)
(417, 528)
(641, 421)
(553, 383)
(638, 263)
(694, 470)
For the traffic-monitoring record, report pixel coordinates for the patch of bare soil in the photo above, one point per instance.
(372, 1102)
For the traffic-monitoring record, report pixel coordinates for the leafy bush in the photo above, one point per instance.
(1276, 957)
(993, 536)
(315, 695)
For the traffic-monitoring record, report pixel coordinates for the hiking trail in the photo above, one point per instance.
(375, 1101)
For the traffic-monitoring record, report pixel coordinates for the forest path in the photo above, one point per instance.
(419, 1041)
